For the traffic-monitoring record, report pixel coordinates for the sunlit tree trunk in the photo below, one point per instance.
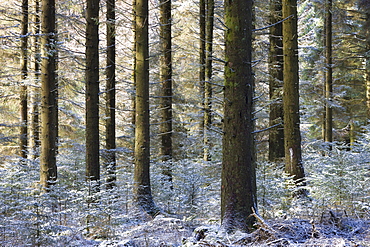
(142, 189)
(92, 92)
(328, 74)
(166, 80)
(210, 5)
(24, 75)
(292, 134)
(48, 95)
(238, 171)
(110, 155)
(276, 134)
(366, 8)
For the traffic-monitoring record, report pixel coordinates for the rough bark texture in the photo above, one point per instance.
(92, 91)
(110, 155)
(142, 189)
(36, 91)
(292, 134)
(166, 81)
(208, 79)
(276, 134)
(24, 74)
(202, 57)
(328, 74)
(48, 96)
(238, 172)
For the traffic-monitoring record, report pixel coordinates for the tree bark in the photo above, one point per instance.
(210, 5)
(36, 92)
(202, 59)
(328, 74)
(292, 134)
(48, 96)
(142, 189)
(238, 198)
(110, 155)
(276, 77)
(92, 92)
(24, 75)
(166, 80)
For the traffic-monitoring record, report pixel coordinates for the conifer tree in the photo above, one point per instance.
(142, 189)
(110, 159)
(292, 134)
(166, 81)
(92, 91)
(238, 195)
(24, 75)
(48, 95)
(276, 134)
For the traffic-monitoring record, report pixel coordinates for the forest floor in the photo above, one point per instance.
(332, 230)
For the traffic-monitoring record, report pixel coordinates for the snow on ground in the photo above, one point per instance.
(168, 231)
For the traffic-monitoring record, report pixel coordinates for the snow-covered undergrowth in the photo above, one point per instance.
(335, 213)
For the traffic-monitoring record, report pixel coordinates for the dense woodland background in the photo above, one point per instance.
(83, 201)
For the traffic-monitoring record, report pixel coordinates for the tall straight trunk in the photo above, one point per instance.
(24, 75)
(110, 158)
(276, 134)
(166, 80)
(36, 92)
(92, 92)
(328, 74)
(292, 134)
(202, 58)
(208, 79)
(238, 198)
(133, 95)
(366, 7)
(48, 95)
(142, 189)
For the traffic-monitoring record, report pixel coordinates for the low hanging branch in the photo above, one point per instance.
(263, 28)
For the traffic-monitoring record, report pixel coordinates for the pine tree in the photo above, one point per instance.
(142, 188)
(210, 5)
(48, 95)
(110, 141)
(276, 134)
(292, 134)
(328, 74)
(24, 75)
(92, 92)
(166, 80)
(238, 171)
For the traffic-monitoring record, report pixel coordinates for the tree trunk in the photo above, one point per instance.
(48, 96)
(292, 134)
(208, 79)
(166, 80)
(24, 75)
(36, 92)
(202, 59)
(328, 74)
(366, 7)
(110, 155)
(276, 134)
(142, 189)
(238, 172)
(92, 92)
